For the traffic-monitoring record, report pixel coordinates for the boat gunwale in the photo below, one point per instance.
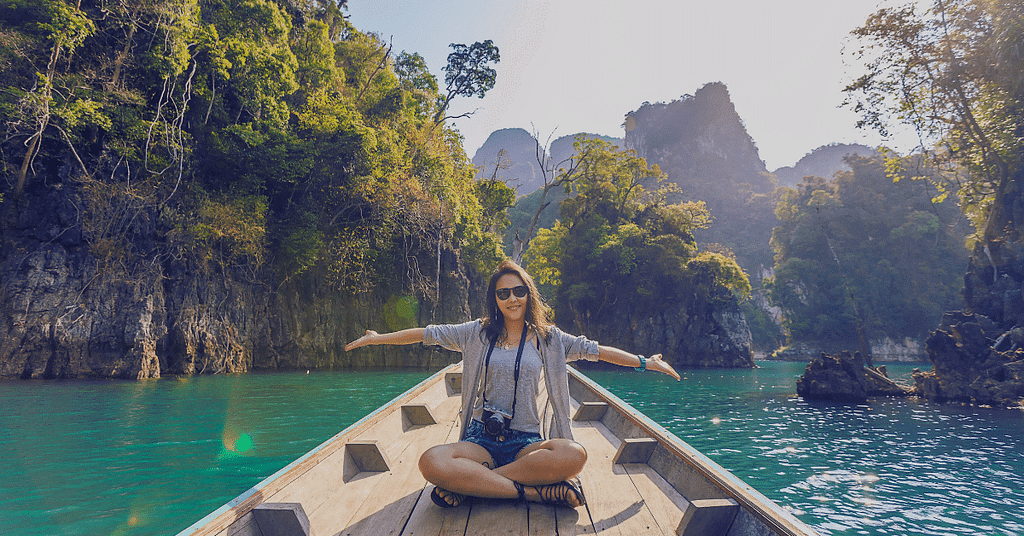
(777, 518)
(768, 512)
(222, 518)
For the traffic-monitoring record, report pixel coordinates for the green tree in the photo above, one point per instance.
(561, 174)
(242, 134)
(64, 28)
(899, 254)
(416, 79)
(468, 73)
(952, 73)
(619, 247)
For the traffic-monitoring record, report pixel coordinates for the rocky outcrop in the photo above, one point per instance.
(978, 353)
(834, 377)
(974, 361)
(844, 378)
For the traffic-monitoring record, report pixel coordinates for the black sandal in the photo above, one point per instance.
(456, 498)
(521, 490)
(558, 494)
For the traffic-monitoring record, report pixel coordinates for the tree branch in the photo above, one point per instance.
(383, 62)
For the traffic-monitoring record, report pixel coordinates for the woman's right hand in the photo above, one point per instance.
(365, 340)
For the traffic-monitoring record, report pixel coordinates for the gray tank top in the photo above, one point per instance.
(501, 378)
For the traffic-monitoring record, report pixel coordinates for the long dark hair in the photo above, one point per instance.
(536, 309)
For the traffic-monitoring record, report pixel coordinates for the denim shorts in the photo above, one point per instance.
(502, 452)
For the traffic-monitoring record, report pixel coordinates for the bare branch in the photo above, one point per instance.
(383, 62)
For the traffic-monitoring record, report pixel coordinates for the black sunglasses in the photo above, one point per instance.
(504, 293)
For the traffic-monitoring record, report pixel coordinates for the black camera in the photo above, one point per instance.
(495, 422)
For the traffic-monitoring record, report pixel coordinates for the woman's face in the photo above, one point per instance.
(514, 306)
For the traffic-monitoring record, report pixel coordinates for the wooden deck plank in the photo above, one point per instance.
(492, 517)
(617, 506)
(428, 519)
(543, 519)
(330, 500)
(388, 503)
(664, 502)
(334, 490)
(394, 496)
(330, 481)
(219, 521)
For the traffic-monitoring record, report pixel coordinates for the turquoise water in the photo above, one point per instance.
(153, 457)
(890, 466)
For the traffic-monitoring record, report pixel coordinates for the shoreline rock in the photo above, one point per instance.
(844, 378)
(975, 362)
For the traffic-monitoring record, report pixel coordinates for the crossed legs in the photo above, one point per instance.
(467, 468)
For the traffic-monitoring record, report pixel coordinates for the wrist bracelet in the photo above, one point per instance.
(643, 364)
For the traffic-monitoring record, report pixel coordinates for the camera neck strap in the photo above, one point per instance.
(515, 373)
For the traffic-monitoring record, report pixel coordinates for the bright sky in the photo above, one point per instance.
(573, 66)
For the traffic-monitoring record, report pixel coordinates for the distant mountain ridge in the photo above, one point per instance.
(824, 161)
(701, 144)
(523, 172)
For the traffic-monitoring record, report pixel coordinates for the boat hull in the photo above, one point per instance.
(639, 479)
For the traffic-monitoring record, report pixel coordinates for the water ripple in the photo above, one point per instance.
(886, 467)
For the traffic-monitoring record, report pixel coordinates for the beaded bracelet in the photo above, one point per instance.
(643, 364)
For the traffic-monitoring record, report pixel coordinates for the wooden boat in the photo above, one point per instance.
(639, 479)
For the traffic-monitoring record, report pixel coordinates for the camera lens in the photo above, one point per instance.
(494, 424)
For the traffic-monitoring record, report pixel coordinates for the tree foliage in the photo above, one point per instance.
(952, 73)
(887, 243)
(245, 131)
(619, 245)
(468, 73)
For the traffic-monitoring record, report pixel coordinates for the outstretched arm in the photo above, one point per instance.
(615, 356)
(406, 336)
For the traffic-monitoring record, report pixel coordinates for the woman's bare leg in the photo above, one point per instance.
(465, 468)
(546, 462)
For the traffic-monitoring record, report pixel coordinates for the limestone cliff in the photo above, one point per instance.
(700, 142)
(518, 149)
(689, 332)
(64, 314)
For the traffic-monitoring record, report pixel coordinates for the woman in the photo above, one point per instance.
(502, 454)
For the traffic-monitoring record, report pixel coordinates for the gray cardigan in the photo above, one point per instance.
(555, 352)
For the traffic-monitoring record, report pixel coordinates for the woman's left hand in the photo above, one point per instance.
(655, 363)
